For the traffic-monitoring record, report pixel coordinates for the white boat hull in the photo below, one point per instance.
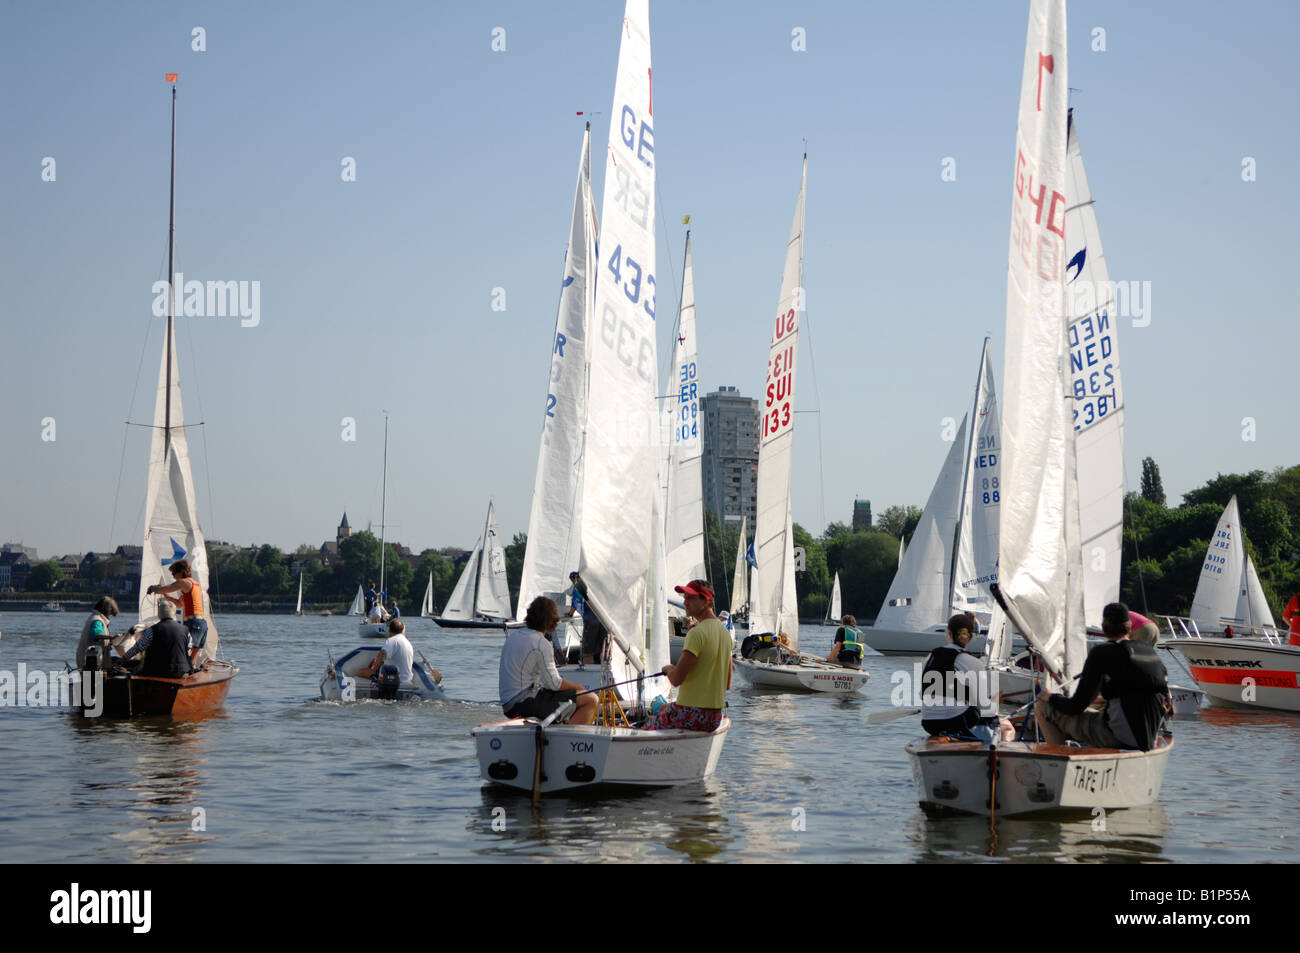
(577, 757)
(802, 678)
(898, 642)
(1034, 777)
(1221, 668)
(340, 681)
(372, 630)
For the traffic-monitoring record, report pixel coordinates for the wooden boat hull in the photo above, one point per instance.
(1221, 668)
(1033, 778)
(580, 757)
(802, 678)
(128, 695)
(340, 682)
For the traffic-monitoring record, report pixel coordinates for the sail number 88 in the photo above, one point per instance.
(990, 488)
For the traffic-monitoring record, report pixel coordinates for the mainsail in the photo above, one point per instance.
(920, 595)
(426, 605)
(771, 611)
(1094, 381)
(1037, 561)
(622, 440)
(976, 559)
(358, 606)
(1228, 591)
(554, 522)
(740, 575)
(492, 597)
(460, 604)
(834, 616)
(684, 534)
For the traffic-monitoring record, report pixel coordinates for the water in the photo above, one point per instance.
(279, 777)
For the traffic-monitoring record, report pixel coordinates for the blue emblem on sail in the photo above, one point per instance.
(178, 552)
(749, 555)
(567, 281)
(1077, 264)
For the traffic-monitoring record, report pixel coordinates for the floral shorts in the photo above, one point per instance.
(684, 718)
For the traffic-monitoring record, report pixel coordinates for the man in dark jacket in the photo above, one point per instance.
(166, 646)
(1129, 675)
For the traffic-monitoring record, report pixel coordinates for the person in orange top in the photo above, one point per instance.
(1291, 616)
(190, 603)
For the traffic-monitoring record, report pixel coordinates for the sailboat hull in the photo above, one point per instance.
(1033, 778)
(372, 630)
(802, 678)
(128, 695)
(444, 623)
(581, 757)
(898, 642)
(340, 681)
(1244, 673)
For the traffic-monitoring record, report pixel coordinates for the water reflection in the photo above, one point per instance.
(150, 772)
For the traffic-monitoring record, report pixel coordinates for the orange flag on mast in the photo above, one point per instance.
(173, 77)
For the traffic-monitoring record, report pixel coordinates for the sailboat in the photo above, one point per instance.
(172, 533)
(1040, 554)
(952, 559)
(834, 614)
(554, 522)
(740, 583)
(426, 604)
(298, 609)
(1261, 670)
(774, 610)
(481, 598)
(622, 552)
(366, 628)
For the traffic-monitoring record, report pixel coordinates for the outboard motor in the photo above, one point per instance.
(386, 682)
(92, 659)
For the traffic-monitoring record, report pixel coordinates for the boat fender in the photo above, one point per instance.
(386, 682)
(502, 770)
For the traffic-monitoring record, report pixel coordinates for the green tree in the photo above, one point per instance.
(360, 555)
(515, 565)
(866, 562)
(899, 521)
(1153, 489)
(813, 585)
(44, 577)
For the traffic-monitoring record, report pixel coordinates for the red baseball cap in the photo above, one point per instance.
(696, 587)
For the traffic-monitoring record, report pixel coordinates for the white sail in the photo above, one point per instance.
(460, 604)
(426, 606)
(977, 543)
(684, 536)
(171, 529)
(554, 522)
(298, 609)
(1219, 588)
(1254, 605)
(623, 442)
(358, 606)
(1094, 379)
(1035, 558)
(740, 575)
(919, 595)
(835, 613)
(787, 616)
(493, 596)
(768, 609)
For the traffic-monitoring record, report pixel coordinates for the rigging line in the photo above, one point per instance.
(672, 279)
(812, 361)
(213, 577)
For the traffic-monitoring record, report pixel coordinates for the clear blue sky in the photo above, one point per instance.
(377, 294)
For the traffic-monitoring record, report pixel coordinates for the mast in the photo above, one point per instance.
(171, 284)
(383, 509)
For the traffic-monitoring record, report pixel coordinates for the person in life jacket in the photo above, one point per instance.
(1129, 675)
(1291, 616)
(190, 602)
(959, 708)
(95, 631)
(847, 650)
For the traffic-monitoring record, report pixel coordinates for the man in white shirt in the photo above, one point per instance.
(530, 684)
(396, 651)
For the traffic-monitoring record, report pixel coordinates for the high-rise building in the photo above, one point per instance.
(730, 460)
(861, 515)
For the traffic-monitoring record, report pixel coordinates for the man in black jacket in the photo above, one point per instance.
(166, 646)
(1129, 675)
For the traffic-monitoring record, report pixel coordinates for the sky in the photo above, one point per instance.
(378, 294)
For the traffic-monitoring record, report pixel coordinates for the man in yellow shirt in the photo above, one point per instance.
(704, 670)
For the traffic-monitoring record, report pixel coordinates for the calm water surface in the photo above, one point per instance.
(281, 777)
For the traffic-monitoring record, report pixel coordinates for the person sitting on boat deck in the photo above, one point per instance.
(396, 613)
(702, 672)
(960, 674)
(371, 597)
(166, 646)
(1129, 675)
(594, 634)
(396, 651)
(190, 604)
(530, 684)
(1142, 629)
(1291, 616)
(847, 650)
(95, 631)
